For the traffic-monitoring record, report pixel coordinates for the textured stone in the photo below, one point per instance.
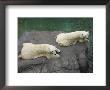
(73, 58)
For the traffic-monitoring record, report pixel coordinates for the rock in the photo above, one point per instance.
(73, 58)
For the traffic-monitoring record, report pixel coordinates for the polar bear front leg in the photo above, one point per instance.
(35, 57)
(74, 42)
(81, 40)
(39, 57)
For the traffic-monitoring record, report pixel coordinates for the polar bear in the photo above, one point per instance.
(32, 51)
(71, 38)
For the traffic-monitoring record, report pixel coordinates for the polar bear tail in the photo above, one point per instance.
(20, 56)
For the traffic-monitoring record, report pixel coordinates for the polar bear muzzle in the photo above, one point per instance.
(55, 52)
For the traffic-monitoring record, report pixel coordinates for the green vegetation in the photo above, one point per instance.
(58, 24)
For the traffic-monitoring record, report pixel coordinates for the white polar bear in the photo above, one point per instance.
(32, 51)
(67, 39)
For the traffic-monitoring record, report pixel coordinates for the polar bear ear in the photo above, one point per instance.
(88, 32)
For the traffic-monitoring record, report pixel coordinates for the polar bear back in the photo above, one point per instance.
(67, 39)
(30, 50)
(68, 36)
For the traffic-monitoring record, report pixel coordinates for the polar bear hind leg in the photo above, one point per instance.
(20, 56)
(65, 43)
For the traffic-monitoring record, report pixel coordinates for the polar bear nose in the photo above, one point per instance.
(57, 51)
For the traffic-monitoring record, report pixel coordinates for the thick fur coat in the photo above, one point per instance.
(32, 51)
(67, 39)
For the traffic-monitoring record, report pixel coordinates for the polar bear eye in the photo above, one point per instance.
(51, 52)
(82, 34)
(54, 53)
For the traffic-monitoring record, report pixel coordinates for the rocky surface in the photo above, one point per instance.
(73, 58)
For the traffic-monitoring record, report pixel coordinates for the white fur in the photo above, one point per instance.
(32, 51)
(67, 39)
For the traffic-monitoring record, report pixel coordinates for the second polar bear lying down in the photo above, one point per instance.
(32, 51)
(67, 39)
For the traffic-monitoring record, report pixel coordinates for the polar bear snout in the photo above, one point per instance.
(87, 38)
(55, 55)
(57, 51)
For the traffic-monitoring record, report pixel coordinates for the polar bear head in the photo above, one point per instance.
(54, 52)
(84, 34)
(54, 55)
